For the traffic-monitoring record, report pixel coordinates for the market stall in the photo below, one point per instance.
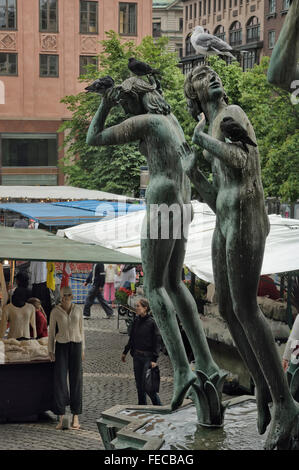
(26, 373)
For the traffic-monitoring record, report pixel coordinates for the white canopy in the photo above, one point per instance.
(123, 234)
(57, 192)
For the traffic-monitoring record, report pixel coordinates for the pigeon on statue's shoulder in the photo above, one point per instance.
(233, 131)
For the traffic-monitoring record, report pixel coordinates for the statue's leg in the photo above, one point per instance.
(226, 310)
(244, 253)
(187, 312)
(155, 259)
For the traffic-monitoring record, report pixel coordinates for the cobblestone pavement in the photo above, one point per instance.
(106, 382)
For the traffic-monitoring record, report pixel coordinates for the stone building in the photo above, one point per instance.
(168, 21)
(44, 46)
(251, 27)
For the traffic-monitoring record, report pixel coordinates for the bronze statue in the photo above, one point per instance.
(283, 68)
(236, 196)
(162, 141)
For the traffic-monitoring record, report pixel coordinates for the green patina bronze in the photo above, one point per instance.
(284, 69)
(236, 195)
(163, 143)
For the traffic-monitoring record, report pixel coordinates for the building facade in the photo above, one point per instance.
(239, 22)
(168, 21)
(44, 46)
(275, 13)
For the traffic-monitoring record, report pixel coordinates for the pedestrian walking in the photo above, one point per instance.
(109, 287)
(66, 348)
(144, 346)
(97, 279)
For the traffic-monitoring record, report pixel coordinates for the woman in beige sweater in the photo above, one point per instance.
(66, 348)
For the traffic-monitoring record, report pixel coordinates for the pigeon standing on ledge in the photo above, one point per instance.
(100, 85)
(232, 130)
(208, 44)
(141, 68)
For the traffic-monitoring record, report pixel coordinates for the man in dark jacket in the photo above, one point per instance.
(144, 345)
(97, 278)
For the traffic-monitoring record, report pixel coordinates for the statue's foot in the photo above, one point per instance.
(263, 399)
(284, 428)
(207, 392)
(182, 383)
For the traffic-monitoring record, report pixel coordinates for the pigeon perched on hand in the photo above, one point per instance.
(208, 44)
(232, 130)
(141, 68)
(100, 85)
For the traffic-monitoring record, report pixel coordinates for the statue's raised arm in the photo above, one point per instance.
(284, 69)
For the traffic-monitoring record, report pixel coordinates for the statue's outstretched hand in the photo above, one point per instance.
(199, 128)
(189, 162)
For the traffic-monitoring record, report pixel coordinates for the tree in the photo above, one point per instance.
(116, 168)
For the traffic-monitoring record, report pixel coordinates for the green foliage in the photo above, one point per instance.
(117, 168)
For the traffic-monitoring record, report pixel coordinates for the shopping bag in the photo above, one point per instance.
(152, 380)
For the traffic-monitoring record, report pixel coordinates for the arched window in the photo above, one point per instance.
(188, 47)
(235, 34)
(219, 32)
(253, 29)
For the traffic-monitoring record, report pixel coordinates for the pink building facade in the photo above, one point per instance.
(44, 44)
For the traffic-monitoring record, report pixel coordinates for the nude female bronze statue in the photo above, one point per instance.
(162, 141)
(236, 196)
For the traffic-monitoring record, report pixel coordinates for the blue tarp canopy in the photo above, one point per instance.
(103, 208)
(67, 214)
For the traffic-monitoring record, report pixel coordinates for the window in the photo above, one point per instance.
(195, 10)
(8, 64)
(189, 48)
(48, 65)
(200, 9)
(190, 12)
(215, 4)
(88, 17)
(286, 4)
(272, 6)
(253, 30)
(128, 19)
(8, 14)
(29, 150)
(156, 29)
(181, 24)
(85, 61)
(209, 7)
(204, 7)
(249, 60)
(186, 13)
(219, 32)
(271, 39)
(48, 15)
(219, 5)
(235, 34)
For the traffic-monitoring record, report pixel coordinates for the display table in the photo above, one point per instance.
(26, 389)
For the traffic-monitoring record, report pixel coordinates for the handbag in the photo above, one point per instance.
(152, 380)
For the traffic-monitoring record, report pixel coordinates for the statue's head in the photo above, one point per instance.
(203, 85)
(137, 96)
